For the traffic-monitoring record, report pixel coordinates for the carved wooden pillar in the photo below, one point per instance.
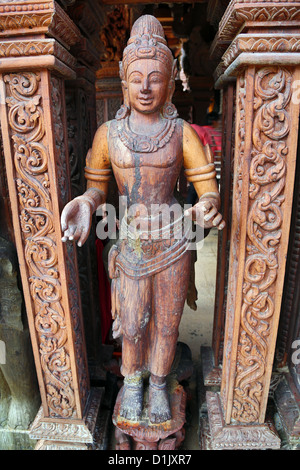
(264, 59)
(34, 64)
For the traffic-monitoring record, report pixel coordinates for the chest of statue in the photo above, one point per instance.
(146, 167)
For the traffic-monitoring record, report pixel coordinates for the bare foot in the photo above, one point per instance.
(132, 399)
(159, 407)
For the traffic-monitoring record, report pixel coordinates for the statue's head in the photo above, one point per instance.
(147, 70)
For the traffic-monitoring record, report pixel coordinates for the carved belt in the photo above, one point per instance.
(150, 231)
(153, 265)
(138, 258)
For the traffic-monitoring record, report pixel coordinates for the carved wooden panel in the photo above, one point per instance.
(32, 117)
(262, 202)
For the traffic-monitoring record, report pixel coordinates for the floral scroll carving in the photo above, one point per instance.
(33, 184)
(267, 180)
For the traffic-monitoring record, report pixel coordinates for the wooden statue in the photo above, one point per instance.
(145, 146)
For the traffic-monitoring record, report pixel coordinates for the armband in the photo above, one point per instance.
(100, 176)
(203, 173)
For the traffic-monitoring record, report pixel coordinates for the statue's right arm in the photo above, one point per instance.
(76, 217)
(200, 170)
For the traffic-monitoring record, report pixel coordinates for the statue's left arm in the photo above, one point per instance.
(200, 170)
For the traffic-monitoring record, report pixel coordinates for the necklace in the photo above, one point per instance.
(145, 143)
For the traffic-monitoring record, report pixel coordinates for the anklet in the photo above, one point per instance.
(158, 386)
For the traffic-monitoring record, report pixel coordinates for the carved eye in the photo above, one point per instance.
(135, 80)
(155, 79)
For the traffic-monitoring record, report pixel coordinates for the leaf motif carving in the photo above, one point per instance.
(27, 133)
(267, 180)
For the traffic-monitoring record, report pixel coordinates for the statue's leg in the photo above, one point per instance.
(169, 290)
(135, 315)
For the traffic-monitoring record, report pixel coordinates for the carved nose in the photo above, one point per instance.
(145, 86)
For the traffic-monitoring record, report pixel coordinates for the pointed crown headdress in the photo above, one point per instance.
(147, 41)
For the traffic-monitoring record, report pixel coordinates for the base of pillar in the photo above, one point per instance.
(217, 435)
(144, 435)
(54, 434)
(212, 374)
(53, 445)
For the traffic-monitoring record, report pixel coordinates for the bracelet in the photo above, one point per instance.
(90, 200)
(212, 194)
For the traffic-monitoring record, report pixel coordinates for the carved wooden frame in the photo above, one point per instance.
(265, 68)
(263, 179)
(34, 131)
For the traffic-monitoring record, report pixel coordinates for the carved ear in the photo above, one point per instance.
(125, 108)
(174, 69)
(123, 83)
(172, 81)
(121, 71)
(125, 92)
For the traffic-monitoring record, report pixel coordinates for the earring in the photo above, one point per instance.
(123, 112)
(169, 111)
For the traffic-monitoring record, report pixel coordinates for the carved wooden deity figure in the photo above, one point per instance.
(145, 146)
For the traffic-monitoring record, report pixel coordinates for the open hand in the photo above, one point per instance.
(206, 213)
(76, 220)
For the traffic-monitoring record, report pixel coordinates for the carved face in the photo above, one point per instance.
(147, 85)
